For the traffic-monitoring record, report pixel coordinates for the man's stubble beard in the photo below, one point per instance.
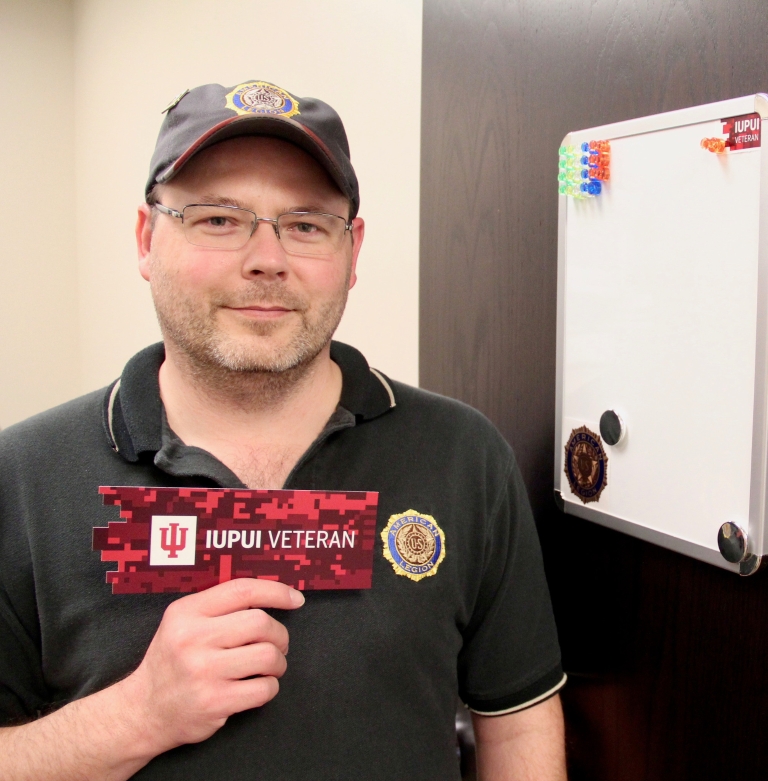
(223, 359)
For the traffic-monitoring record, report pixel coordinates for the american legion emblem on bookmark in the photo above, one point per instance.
(189, 539)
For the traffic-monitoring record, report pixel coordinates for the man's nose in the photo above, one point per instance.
(264, 254)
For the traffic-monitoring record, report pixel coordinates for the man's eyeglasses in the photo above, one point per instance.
(229, 228)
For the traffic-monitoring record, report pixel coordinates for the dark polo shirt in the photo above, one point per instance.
(372, 675)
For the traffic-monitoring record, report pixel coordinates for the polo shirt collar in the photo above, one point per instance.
(133, 411)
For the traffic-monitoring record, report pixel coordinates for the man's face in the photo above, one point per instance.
(257, 308)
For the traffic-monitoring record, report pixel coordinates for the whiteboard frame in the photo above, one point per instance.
(758, 493)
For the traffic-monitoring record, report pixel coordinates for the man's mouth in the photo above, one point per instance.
(261, 311)
(263, 308)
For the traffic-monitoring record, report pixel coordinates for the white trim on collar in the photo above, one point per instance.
(380, 377)
(110, 412)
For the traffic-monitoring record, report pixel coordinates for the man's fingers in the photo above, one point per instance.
(255, 659)
(247, 626)
(253, 693)
(240, 594)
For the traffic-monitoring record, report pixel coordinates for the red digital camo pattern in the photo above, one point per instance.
(261, 517)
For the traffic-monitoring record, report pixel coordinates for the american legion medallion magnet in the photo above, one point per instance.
(586, 464)
(414, 544)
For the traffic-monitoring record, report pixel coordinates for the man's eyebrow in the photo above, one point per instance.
(221, 200)
(312, 208)
(225, 200)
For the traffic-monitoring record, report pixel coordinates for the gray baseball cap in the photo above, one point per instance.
(206, 115)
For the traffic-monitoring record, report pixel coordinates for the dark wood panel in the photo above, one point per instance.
(667, 660)
(667, 654)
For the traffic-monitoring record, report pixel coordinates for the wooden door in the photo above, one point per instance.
(649, 637)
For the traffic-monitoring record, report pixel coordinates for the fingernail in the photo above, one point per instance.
(297, 598)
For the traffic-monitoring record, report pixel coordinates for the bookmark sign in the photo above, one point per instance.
(189, 539)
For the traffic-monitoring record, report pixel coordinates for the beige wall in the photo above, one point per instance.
(124, 62)
(38, 286)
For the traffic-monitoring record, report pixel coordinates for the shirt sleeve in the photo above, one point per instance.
(510, 659)
(23, 693)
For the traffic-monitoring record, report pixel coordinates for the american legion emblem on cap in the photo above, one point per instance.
(414, 544)
(586, 464)
(261, 97)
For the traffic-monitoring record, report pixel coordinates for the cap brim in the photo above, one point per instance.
(261, 125)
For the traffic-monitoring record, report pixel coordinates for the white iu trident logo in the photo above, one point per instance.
(172, 540)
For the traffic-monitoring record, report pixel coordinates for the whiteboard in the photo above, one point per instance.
(662, 318)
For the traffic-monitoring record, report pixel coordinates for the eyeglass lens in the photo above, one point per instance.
(226, 227)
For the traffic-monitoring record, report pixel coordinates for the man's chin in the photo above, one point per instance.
(283, 346)
(271, 356)
(242, 327)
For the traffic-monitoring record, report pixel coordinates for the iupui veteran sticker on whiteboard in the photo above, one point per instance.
(586, 464)
(743, 132)
(189, 539)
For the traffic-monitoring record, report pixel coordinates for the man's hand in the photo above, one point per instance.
(198, 670)
(524, 746)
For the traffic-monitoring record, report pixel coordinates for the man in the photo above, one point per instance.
(249, 239)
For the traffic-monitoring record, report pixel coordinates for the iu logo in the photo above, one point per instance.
(173, 540)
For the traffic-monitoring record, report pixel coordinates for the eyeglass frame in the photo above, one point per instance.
(256, 220)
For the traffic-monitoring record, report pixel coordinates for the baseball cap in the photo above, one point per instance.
(205, 115)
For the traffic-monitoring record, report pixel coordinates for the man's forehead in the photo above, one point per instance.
(240, 171)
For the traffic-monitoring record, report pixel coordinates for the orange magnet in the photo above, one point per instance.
(716, 145)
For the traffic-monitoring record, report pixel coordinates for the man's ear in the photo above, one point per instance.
(144, 238)
(358, 233)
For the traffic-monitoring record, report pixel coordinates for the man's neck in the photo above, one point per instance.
(257, 423)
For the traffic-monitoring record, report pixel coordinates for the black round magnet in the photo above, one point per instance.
(612, 428)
